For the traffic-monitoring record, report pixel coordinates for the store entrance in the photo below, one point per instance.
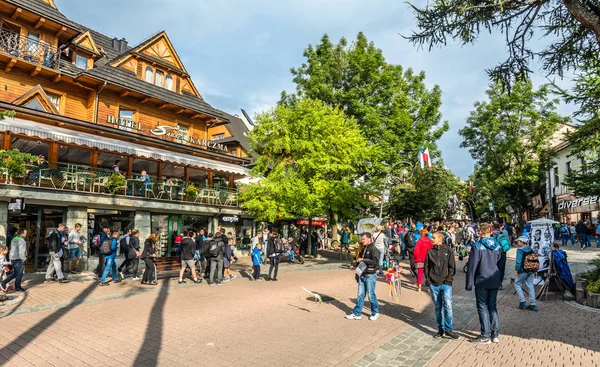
(38, 221)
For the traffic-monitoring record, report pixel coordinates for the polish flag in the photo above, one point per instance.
(427, 159)
(421, 158)
(470, 187)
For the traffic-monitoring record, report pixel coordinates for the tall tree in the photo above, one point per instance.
(308, 156)
(509, 137)
(427, 196)
(392, 106)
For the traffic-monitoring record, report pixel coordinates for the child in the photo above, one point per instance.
(256, 260)
(4, 263)
(227, 260)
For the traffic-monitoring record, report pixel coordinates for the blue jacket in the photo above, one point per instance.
(521, 252)
(482, 268)
(113, 247)
(256, 258)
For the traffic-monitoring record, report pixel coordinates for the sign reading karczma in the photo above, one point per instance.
(590, 200)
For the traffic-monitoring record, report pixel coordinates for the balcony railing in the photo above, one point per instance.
(28, 49)
(96, 180)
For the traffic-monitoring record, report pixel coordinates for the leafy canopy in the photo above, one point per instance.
(509, 138)
(308, 155)
(393, 108)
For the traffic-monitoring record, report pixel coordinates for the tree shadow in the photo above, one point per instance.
(26, 338)
(152, 343)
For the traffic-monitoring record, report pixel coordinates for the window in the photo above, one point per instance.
(35, 105)
(169, 82)
(568, 168)
(158, 78)
(234, 152)
(31, 146)
(218, 136)
(55, 100)
(81, 62)
(149, 74)
(125, 114)
(33, 39)
(556, 177)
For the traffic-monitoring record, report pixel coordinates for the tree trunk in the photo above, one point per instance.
(584, 15)
(309, 239)
(333, 223)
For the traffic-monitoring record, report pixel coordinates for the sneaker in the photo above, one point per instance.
(232, 277)
(219, 284)
(95, 276)
(180, 281)
(135, 278)
(274, 279)
(225, 280)
(63, 280)
(495, 340)
(374, 317)
(50, 280)
(353, 317)
(21, 290)
(532, 307)
(104, 284)
(211, 284)
(121, 275)
(522, 305)
(453, 335)
(144, 282)
(439, 334)
(259, 280)
(153, 283)
(481, 340)
(198, 281)
(117, 281)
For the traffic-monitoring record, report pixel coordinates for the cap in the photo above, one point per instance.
(524, 239)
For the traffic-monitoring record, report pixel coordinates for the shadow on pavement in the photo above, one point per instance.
(152, 343)
(16, 307)
(23, 341)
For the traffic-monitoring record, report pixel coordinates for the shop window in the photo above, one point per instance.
(35, 147)
(127, 114)
(169, 82)
(107, 160)
(74, 155)
(139, 165)
(158, 78)
(172, 171)
(198, 176)
(220, 180)
(149, 74)
(81, 62)
(218, 137)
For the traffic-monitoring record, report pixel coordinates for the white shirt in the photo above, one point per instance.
(74, 239)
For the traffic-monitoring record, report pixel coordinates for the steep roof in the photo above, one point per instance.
(239, 131)
(49, 12)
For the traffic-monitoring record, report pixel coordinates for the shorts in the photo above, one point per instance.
(188, 263)
(75, 253)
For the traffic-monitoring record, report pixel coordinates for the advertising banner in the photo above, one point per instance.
(542, 238)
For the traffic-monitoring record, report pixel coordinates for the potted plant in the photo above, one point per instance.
(115, 183)
(191, 191)
(15, 163)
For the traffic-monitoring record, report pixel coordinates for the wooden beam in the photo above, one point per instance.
(181, 111)
(16, 14)
(163, 106)
(10, 65)
(145, 100)
(61, 31)
(40, 23)
(196, 116)
(36, 71)
(124, 94)
(57, 78)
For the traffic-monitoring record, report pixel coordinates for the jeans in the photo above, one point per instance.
(403, 252)
(133, 266)
(573, 242)
(150, 271)
(442, 300)
(111, 265)
(582, 240)
(256, 273)
(274, 264)
(565, 239)
(216, 270)
(366, 285)
(598, 240)
(54, 265)
(502, 266)
(291, 256)
(488, 313)
(589, 240)
(526, 278)
(381, 256)
(17, 274)
(100, 267)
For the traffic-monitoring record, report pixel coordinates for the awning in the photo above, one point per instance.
(32, 128)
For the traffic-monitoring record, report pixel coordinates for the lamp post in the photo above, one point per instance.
(405, 175)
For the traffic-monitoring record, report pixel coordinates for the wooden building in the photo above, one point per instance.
(89, 105)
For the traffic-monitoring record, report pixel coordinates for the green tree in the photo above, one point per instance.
(427, 196)
(308, 155)
(392, 106)
(509, 137)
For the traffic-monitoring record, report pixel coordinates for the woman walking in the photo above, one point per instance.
(148, 256)
(423, 245)
(134, 254)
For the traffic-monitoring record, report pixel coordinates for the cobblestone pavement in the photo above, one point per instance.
(266, 324)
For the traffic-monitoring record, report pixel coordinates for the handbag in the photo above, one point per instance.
(360, 268)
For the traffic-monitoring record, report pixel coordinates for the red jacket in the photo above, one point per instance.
(423, 245)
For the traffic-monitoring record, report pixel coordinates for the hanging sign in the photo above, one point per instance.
(315, 222)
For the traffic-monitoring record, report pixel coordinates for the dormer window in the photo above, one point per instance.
(149, 74)
(158, 78)
(169, 82)
(81, 62)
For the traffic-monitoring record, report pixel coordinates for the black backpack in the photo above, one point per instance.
(409, 239)
(106, 247)
(278, 246)
(124, 247)
(215, 248)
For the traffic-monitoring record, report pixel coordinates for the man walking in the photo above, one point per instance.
(410, 241)
(56, 241)
(100, 268)
(124, 249)
(483, 271)
(439, 272)
(111, 266)
(188, 248)
(525, 268)
(18, 255)
(217, 250)
(75, 241)
(274, 249)
(367, 280)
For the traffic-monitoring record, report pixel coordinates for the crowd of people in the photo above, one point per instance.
(580, 233)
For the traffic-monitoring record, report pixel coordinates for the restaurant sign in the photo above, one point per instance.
(315, 222)
(571, 204)
(229, 218)
(174, 133)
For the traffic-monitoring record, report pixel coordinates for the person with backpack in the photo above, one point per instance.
(56, 241)
(200, 250)
(344, 240)
(216, 251)
(274, 251)
(564, 234)
(483, 272)
(380, 242)
(409, 245)
(526, 265)
(98, 241)
(256, 261)
(188, 247)
(18, 256)
(148, 256)
(109, 249)
(134, 254)
(124, 250)
(503, 240)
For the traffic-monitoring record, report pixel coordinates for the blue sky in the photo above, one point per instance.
(239, 53)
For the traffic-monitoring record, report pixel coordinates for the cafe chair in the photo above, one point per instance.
(231, 199)
(100, 183)
(202, 194)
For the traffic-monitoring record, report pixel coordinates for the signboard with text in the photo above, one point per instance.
(315, 222)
